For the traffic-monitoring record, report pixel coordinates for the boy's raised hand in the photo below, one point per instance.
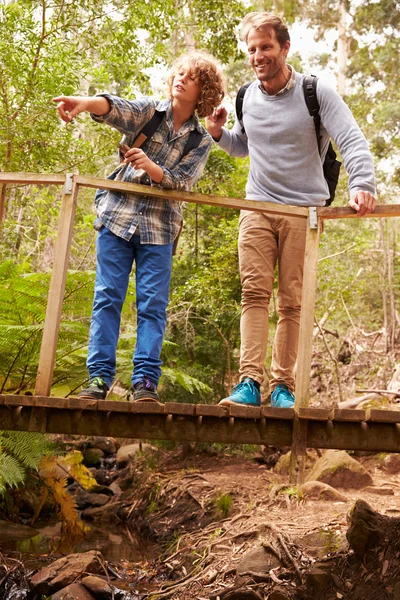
(70, 106)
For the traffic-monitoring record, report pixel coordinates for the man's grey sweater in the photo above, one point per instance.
(285, 166)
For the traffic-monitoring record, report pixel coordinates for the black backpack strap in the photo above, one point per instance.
(239, 103)
(193, 141)
(149, 129)
(310, 97)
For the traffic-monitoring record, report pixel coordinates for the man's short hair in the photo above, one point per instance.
(266, 22)
(206, 71)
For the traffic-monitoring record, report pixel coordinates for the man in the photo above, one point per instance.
(143, 229)
(285, 168)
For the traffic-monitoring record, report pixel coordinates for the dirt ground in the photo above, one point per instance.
(212, 535)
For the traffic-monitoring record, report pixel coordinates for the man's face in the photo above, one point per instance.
(266, 56)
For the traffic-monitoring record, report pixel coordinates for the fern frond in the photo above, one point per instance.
(12, 472)
(27, 447)
(73, 464)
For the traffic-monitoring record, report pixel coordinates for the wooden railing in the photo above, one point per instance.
(315, 216)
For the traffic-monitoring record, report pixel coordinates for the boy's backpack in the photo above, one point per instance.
(151, 127)
(331, 166)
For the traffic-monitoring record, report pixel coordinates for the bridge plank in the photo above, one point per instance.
(270, 412)
(210, 410)
(315, 414)
(383, 416)
(178, 408)
(245, 412)
(348, 414)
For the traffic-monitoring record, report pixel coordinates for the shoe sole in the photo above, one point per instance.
(146, 399)
(227, 402)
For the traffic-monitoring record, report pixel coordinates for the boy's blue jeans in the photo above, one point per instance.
(115, 257)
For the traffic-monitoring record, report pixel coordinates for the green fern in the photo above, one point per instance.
(19, 452)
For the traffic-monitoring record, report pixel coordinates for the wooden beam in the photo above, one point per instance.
(179, 196)
(349, 430)
(345, 212)
(302, 392)
(56, 292)
(33, 178)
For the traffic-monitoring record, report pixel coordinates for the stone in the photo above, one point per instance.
(66, 570)
(379, 491)
(75, 591)
(338, 469)
(98, 587)
(282, 465)
(318, 580)
(317, 490)
(14, 532)
(365, 528)
(92, 457)
(85, 499)
(279, 594)
(126, 454)
(258, 560)
(107, 445)
(391, 463)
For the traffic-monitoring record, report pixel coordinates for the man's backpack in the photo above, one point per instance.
(331, 166)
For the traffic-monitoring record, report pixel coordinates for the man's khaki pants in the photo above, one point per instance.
(264, 241)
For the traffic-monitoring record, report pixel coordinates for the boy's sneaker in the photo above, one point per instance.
(145, 391)
(282, 397)
(245, 393)
(97, 389)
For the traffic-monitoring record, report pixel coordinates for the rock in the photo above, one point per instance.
(282, 466)
(116, 490)
(365, 528)
(108, 512)
(98, 587)
(85, 499)
(66, 570)
(379, 491)
(126, 454)
(317, 490)
(391, 463)
(92, 457)
(318, 580)
(258, 560)
(75, 591)
(103, 476)
(101, 489)
(14, 532)
(107, 445)
(279, 594)
(338, 469)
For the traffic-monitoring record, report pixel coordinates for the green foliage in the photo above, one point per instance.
(19, 451)
(223, 505)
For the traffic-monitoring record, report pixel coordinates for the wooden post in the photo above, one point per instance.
(302, 392)
(57, 287)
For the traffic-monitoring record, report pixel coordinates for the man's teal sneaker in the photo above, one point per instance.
(245, 393)
(281, 397)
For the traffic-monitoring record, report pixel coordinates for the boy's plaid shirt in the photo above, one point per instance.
(157, 220)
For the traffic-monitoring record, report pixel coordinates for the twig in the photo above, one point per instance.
(388, 392)
(333, 359)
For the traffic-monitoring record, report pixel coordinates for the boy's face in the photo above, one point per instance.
(184, 86)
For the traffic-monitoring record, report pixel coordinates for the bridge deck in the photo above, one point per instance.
(373, 430)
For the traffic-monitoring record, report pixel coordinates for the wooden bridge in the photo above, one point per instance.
(371, 430)
(301, 428)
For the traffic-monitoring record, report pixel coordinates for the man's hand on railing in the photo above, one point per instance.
(363, 202)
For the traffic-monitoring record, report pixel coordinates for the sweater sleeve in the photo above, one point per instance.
(341, 126)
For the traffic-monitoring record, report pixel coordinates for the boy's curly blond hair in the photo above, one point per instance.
(207, 72)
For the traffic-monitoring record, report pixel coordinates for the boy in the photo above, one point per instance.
(143, 229)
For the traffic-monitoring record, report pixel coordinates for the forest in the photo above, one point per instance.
(83, 47)
(79, 47)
